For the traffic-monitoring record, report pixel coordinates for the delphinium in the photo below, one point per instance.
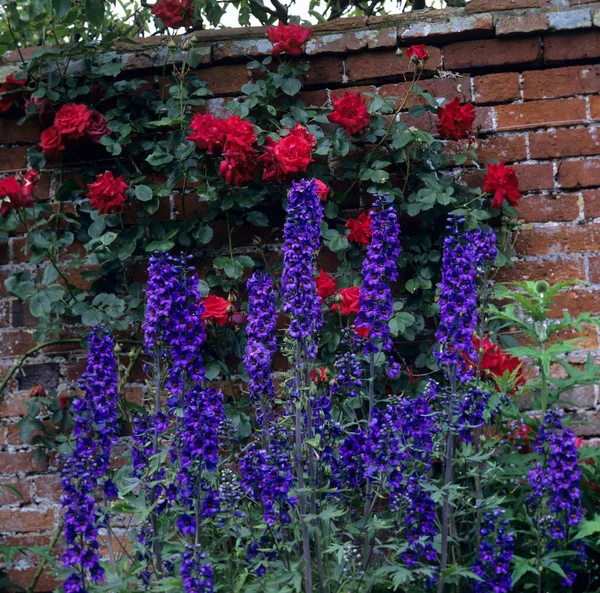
(262, 343)
(95, 417)
(196, 573)
(555, 497)
(348, 366)
(494, 557)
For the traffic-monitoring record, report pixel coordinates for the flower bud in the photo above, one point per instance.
(171, 43)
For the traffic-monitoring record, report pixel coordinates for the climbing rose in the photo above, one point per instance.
(72, 120)
(288, 39)
(10, 84)
(417, 52)
(216, 309)
(495, 362)
(11, 196)
(360, 229)
(455, 120)
(239, 134)
(502, 182)
(349, 300)
(290, 155)
(237, 167)
(322, 189)
(208, 132)
(174, 13)
(29, 180)
(318, 375)
(107, 194)
(350, 112)
(52, 141)
(326, 285)
(97, 128)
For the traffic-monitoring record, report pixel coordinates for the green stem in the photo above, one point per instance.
(51, 546)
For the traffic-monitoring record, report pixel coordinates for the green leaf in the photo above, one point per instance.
(97, 228)
(94, 11)
(143, 193)
(40, 304)
(159, 158)
(92, 317)
(50, 275)
(291, 86)
(160, 245)
(61, 7)
(257, 219)
(587, 528)
(203, 233)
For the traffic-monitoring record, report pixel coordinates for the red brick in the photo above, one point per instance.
(536, 114)
(508, 148)
(521, 24)
(595, 107)
(224, 80)
(12, 133)
(497, 88)
(47, 487)
(13, 158)
(356, 90)
(584, 173)
(352, 41)
(490, 5)
(561, 82)
(23, 577)
(11, 463)
(557, 240)
(549, 270)
(446, 88)
(314, 98)
(384, 64)
(15, 343)
(564, 143)
(13, 405)
(8, 497)
(591, 203)
(577, 301)
(580, 45)
(594, 269)
(540, 208)
(484, 53)
(325, 70)
(535, 176)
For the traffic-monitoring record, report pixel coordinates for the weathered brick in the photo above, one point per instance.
(27, 519)
(536, 114)
(544, 208)
(576, 301)
(521, 24)
(352, 41)
(561, 82)
(497, 88)
(582, 173)
(15, 343)
(446, 88)
(579, 397)
(11, 463)
(318, 98)
(572, 46)
(47, 487)
(224, 80)
(20, 485)
(47, 374)
(556, 240)
(595, 107)
(485, 53)
(491, 5)
(237, 48)
(591, 203)
(594, 269)
(325, 70)
(21, 316)
(453, 26)
(13, 158)
(12, 133)
(22, 577)
(385, 64)
(551, 270)
(507, 148)
(535, 176)
(565, 143)
(13, 405)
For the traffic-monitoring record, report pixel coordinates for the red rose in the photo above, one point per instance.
(502, 182)
(495, 362)
(318, 375)
(8, 86)
(363, 331)
(239, 134)
(350, 112)
(107, 194)
(237, 166)
(216, 309)
(97, 127)
(12, 196)
(326, 285)
(291, 155)
(418, 53)
(29, 180)
(208, 132)
(174, 13)
(349, 301)
(360, 229)
(52, 141)
(72, 120)
(322, 189)
(455, 120)
(288, 39)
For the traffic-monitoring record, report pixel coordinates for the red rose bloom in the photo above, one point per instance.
(107, 194)
(174, 13)
(418, 53)
(216, 309)
(495, 362)
(502, 182)
(350, 112)
(239, 134)
(72, 120)
(97, 127)
(208, 132)
(288, 39)
(455, 120)
(12, 196)
(360, 229)
(349, 301)
(291, 155)
(10, 84)
(322, 189)
(52, 141)
(29, 180)
(363, 331)
(318, 375)
(237, 166)
(326, 285)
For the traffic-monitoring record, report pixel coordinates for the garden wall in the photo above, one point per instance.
(531, 67)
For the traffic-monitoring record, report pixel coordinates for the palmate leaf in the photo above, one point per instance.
(589, 374)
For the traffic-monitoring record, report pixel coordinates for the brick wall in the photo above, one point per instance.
(531, 67)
